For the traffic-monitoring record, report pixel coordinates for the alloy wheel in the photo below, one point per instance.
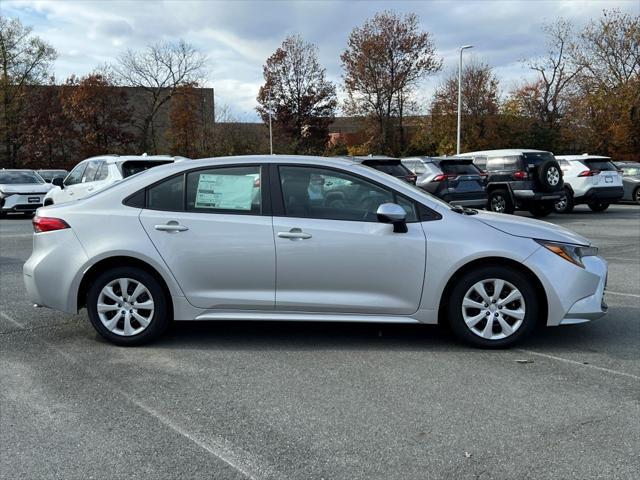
(498, 204)
(493, 309)
(125, 307)
(553, 176)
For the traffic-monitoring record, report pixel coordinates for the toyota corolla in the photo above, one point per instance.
(304, 239)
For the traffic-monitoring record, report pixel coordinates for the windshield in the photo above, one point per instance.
(630, 170)
(459, 168)
(50, 174)
(20, 178)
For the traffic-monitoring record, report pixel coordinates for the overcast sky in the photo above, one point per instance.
(238, 36)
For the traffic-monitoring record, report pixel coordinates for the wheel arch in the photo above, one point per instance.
(119, 261)
(493, 262)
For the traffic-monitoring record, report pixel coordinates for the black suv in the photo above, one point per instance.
(520, 179)
(389, 165)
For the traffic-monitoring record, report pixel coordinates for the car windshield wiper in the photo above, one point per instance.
(463, 210)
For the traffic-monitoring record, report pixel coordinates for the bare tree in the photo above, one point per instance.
(557, 73)
(297, 92)
(385, 58)
(159, 70)
(25, 61)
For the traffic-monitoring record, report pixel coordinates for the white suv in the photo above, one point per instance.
(590, 179)
(96, 173)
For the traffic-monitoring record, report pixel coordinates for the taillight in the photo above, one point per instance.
(589, 173)
(520, 175)
(48, 224)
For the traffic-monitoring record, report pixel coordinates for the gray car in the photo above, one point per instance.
(21, 191)
(630, 180)
(261, 238)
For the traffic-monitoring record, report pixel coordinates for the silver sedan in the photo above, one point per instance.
(304, 239)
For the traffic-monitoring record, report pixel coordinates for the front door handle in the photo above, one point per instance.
(171, 226)
(294, 234)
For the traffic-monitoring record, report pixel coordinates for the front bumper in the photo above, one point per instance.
(574, 294)
(21, 202)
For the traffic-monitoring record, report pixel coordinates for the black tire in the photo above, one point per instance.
(500, 202)
(598, 206)
(541, 209)
(463, 285)
(161, 313)
(636, 195)
(565, 204)
(549, 176)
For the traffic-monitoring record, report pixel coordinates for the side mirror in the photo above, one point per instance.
(394, 214)
(58, 182)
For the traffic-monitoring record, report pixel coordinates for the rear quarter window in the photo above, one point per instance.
(131, 167)
(510, 163)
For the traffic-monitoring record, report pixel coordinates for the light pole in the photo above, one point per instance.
(460, 95)
(270, 133)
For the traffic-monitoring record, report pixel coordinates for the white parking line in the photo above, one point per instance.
(219, 447)
(573, 362)
(607, 292)
(16, 235)
(7, 317)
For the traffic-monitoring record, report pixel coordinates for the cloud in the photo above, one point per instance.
(238, 36)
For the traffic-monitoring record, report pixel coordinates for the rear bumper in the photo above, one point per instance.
(531, 196)
(471, 199)
(50, 272)
(609, 194)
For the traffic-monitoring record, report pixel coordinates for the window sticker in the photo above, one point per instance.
(230, 192)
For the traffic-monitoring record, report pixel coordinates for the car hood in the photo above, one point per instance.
(529, 228)
(25, 188)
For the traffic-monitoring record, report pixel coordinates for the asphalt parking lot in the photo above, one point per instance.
(334, 401)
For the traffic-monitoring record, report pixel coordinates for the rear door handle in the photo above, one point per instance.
(171, 226)
(294, 234)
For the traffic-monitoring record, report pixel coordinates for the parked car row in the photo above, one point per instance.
(531, 180)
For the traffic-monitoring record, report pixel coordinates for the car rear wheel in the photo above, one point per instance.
(500, 202)
(636, 195)
(492, 307)
(541, 209)
(565, 204)
(128, 306)
(598, 206)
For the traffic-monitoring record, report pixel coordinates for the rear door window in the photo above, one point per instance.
(233, 190)
(167, 195)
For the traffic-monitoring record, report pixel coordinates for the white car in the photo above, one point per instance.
(590, 179)
(263, 238)
(21, 191)
(96, 173)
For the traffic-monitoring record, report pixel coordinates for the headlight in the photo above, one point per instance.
(571, 253)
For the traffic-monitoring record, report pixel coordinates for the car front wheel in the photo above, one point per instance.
(492, 307)
(128, 306)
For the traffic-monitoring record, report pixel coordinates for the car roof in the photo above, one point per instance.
(504, 151)
(584, 156)
(368, 158)
(110, 159)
